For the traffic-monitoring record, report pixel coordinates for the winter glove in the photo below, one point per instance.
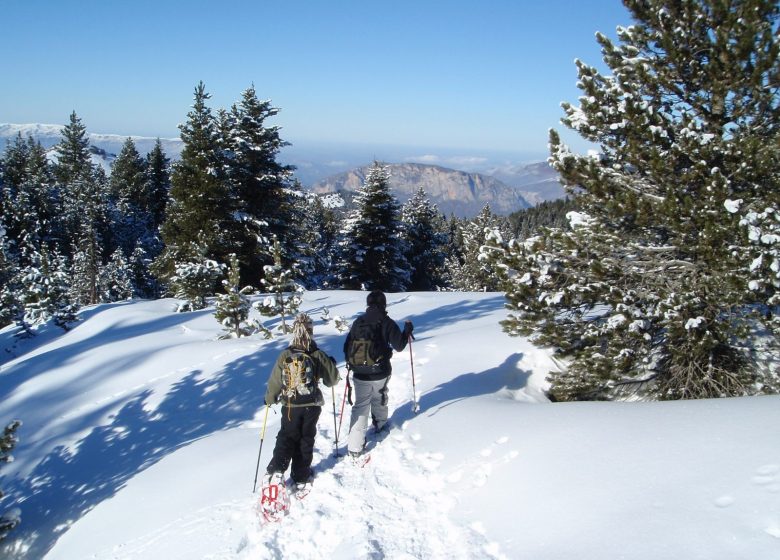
(408, 329)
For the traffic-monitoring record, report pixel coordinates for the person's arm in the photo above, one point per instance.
(329, 373)
(274, 387)
(395, 336)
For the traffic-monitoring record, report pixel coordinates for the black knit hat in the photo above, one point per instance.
(377, 297)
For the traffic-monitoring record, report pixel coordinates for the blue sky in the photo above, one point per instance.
(470, 76)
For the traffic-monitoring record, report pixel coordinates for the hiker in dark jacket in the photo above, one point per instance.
(294, 382)
(370, 382)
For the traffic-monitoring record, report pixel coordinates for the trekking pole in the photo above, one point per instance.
(415, 405)
(335, 426)
(343, 400)
(262, 438)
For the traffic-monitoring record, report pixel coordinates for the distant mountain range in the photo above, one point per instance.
(506, 188)
(454, 192)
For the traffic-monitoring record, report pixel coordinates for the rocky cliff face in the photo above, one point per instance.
(454, 192)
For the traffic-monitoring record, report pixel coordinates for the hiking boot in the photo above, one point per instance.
(354, 455)
(273, 478)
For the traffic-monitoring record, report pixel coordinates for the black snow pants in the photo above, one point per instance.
(295, 441)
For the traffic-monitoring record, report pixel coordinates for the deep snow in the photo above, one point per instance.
(141, 433)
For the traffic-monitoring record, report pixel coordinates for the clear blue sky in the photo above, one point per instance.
(478, 75)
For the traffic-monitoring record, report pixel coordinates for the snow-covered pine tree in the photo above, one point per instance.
(426, 242)
(76, 181)
(115, 279)
(8, 441)
(9, 300)
(158, 183)
(87, 264)
(195, 280)
(232, 307)
(284, 293)
(27, 199)
(469, 271)
(259, 184)
(200, 208)
(371, 252)
(648, 294)
(317, 235)
(43, 292)
(128, 188)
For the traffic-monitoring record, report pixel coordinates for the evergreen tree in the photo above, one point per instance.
(470, 272)
(200, 208)
(115, 280)
(317, 230)
(84, 197)
(547, 214)
(193, 281)
(158, 184)
(8, 441)
(284, 293)
(426, 242)
(232, 307)
(128, 187)
(259, 184)
(372, 250)
(73, 159)
(648, 293)
(27, 200)
(43, 292)
(87, 265)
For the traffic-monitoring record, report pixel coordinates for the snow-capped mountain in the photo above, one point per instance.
(49, 135)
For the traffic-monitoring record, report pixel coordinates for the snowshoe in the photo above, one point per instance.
(274, 500)
(359, 459)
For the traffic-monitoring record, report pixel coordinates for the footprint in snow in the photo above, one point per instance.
(768, 476)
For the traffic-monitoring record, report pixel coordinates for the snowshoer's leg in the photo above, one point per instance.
(369, 399)
(286, 441)
(303, 455)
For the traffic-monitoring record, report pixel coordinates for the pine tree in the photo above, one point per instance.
(372, 250)
(259, 184)
(43, 292)
(10, 519)
(193, 281)
(426, 242)
(158, 183)
(232, 307)
(27, 200)
(284, 292)
(469, 271)
(648, 293)
(128, 187)
(115, 279)
(200, 208)
(316, 229)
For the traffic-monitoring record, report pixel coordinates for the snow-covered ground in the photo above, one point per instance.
(141, 434)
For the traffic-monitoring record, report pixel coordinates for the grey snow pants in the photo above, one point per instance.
(370, 398)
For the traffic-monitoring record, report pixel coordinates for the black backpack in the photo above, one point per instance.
(298, 376)
(367, 350)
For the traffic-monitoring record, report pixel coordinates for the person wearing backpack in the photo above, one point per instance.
(294, 382)
(368, 349)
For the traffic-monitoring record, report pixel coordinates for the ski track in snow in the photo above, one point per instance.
(383, 510)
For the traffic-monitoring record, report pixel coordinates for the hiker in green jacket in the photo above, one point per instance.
(294, 382)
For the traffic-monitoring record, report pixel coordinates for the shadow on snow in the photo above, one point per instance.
(70, 481)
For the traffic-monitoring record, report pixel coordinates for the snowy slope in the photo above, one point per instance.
(141, 433)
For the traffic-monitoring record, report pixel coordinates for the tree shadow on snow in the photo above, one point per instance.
(71, 481)
(504, 377)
